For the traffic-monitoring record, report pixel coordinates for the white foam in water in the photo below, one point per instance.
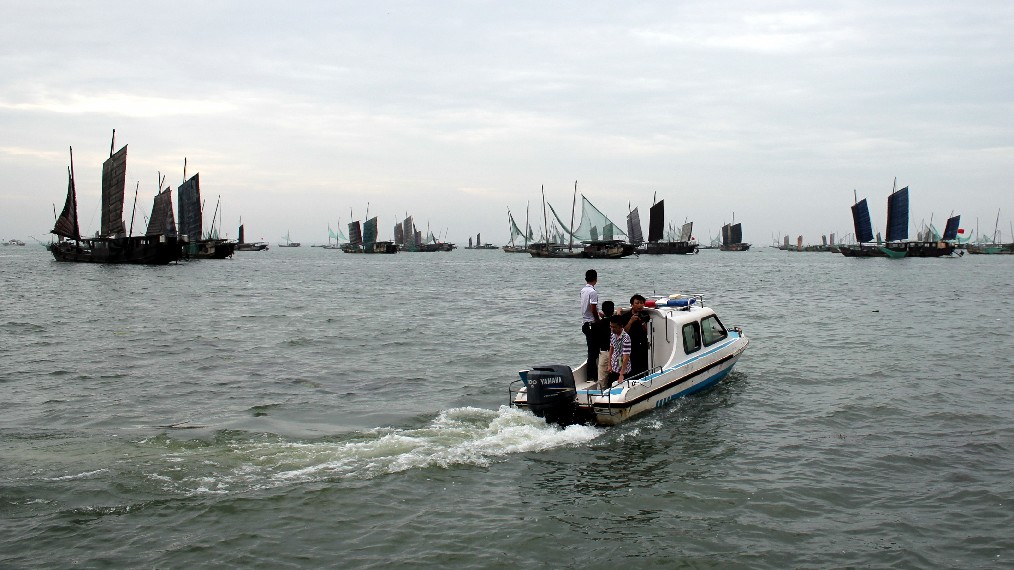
(460, 436)
(85, 475)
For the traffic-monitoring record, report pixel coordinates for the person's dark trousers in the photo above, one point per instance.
(638, 359)
(591, 369)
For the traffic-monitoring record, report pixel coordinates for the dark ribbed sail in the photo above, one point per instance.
(162, 221)
(737, 233)
(727, 234)
(656, 222)
(66, 224)
(241, 235)
(399, 234)
(114, 180)
(189, 198)
(634, 233)
(370, 231)
(897, 215)
(409, 234)
(355, 233)
(951, 230)
(861, 220)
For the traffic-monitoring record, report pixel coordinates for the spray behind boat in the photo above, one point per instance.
(551, 392)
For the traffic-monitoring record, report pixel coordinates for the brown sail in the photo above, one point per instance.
(162, 221)
(114, 180)
(66, 225)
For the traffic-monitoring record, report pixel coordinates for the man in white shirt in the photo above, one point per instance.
(589, 315)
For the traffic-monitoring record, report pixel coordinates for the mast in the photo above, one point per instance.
(573, 208)
(214, 217)
(510, 220)
(65, 225)
(527, 226)
(134, 210)
(545, 217)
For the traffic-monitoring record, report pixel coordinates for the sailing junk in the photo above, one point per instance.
(897, 244)
(732, 238)
(363, 239)
(242, 245)
(197, 245)
(516, 233)
(112, 244)
(597, 234)
(684, 243)
(288, 241)
(408, 238)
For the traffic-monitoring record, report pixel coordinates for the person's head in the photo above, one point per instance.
(591, 276)
(636, 303)
(616, 324)
(607, 308)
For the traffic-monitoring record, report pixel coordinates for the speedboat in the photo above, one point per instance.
(691, 350)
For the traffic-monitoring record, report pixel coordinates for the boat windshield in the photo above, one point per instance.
(712, 329)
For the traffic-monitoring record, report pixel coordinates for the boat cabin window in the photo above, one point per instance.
(713, 330)
(691, 337)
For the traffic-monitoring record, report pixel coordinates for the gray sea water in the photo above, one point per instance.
(307, 408)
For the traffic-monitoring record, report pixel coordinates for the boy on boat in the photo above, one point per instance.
(619, 352)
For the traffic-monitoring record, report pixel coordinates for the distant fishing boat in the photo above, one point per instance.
(113, 243)
(242, 245)
(993, 245)
(363, 239)
(197, 245)
(597, 236)
(335, 239)
(478, 243)
(732, 237)
(896, 245)
(289, 242)
(684, 244)
(516, 233)
(409, 238)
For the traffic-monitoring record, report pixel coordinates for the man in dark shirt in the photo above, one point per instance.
(589, 316)
(600, 331)
(636, 325)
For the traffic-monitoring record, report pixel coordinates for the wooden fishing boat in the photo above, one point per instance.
(114, 243)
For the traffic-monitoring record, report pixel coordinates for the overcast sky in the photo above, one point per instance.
(296, 113)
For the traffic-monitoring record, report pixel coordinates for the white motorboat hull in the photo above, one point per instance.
(676, 371)
(618, 404)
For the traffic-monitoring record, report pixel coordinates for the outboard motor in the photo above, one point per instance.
(552, 393)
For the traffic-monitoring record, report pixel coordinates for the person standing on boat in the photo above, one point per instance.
(602, 332)
(619, 352)
(635, 323)
(589, 316)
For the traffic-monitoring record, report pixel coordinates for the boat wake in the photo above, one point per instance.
(458, 436)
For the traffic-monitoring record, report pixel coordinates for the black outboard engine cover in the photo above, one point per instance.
(552, 393)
